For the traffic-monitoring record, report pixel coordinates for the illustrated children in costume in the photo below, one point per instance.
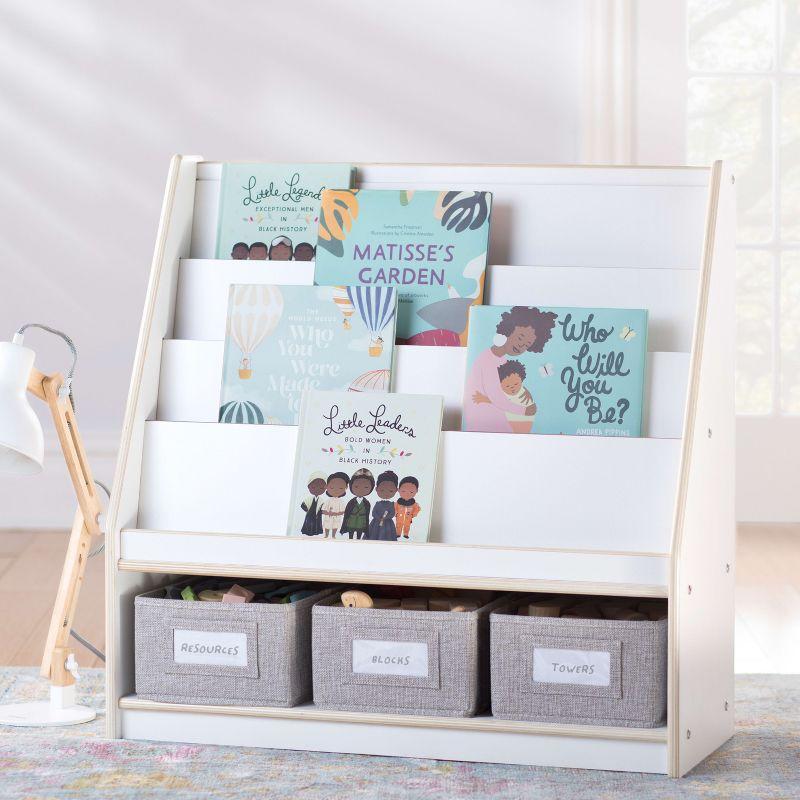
(333, 504)
(240, 251)
(280, 249)
(511, 375)
(406, 507)
(356, 512)
(381, 527)
(258, 251)
(304, 251)
(312, 524)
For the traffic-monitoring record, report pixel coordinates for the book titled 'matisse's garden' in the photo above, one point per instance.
(431, 246)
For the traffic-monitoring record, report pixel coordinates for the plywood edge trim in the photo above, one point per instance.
(112, 528)
(401, 579)
(476, 724)
(689, 425)
(330, 542)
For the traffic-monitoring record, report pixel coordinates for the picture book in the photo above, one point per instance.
(431, 246)
(271, 211)
(577, 371)
(365, 466)
(283, 340)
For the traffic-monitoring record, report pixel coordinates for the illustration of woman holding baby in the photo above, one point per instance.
(496, 399)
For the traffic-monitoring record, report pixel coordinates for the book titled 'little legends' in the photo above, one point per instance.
(430, 246)
(271, 211)
(365, 466)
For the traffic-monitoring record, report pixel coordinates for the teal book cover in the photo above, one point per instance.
(284, 340)
(431, 246)
(575, 371)
(365, 466)
(271, 211)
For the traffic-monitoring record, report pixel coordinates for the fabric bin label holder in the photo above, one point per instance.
(558, 665)
(211, 647)
(383, 656)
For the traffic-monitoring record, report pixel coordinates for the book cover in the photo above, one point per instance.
(577, 371)
(283, 340)
(365, 466)
(271, 211)
(429, 245)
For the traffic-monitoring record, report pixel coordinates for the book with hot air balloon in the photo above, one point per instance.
(365, 466)
(283, 340)
(271, 211)
(431, 246)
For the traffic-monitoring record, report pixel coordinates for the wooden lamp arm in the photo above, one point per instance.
(85, 526)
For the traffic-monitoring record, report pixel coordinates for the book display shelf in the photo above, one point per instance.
(643, 517)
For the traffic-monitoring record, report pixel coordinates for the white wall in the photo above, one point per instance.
(95, 96)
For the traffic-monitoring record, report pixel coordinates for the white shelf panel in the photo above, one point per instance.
(670, 295)
(298, 558)
(191, 372)
(471, 739)
(603, 217)
(586, 493)
(201, 304)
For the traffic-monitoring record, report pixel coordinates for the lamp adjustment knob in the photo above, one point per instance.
(71, 665)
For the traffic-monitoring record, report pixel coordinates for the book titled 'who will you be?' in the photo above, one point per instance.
(430, 246)
(365, 466)
(271, 211)
(577, 371)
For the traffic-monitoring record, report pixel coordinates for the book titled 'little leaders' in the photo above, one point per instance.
(365, 466)
(430, 246)
(576, 371)
(283, 340)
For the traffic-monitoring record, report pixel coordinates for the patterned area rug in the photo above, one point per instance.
(761, 761)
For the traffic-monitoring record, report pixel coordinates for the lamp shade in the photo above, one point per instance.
(21, 437)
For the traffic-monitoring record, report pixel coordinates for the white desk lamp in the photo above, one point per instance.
(21, 453)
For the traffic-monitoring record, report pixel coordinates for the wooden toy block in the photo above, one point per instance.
(628, 614)
(386, 602)
(237, 594)
(355, 598)
(549, 607)
(414, 604)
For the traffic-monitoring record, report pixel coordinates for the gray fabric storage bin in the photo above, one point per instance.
(266, 647)
(610, 672)
(448, 652)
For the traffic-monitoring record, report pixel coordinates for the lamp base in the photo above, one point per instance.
(43, 714)
(61, 710)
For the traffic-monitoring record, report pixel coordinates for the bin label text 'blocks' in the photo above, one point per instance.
(372, 657)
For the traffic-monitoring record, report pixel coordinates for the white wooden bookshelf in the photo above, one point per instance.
(647, 517)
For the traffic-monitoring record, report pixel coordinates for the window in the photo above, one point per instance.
(744, 106)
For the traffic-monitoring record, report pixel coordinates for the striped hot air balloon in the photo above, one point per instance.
(375, 305)
(242, 412)
(254, 314)
(376, 380)
(342, 300)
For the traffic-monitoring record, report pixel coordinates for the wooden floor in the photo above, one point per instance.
(767, 602)
(30, 567)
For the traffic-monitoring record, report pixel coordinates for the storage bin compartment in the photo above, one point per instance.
(401, 661)
(220, 653)
(573, 669)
